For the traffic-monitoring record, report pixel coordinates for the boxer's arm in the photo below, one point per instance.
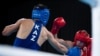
(59, 47)
(58, 23)
(11, 28)
(62, 41)
(67, 43)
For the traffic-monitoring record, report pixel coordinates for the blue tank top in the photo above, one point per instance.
(31, 41)
(74, 51)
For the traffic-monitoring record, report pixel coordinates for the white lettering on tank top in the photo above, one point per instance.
(37, 27)
(34, 34)
(33, 37)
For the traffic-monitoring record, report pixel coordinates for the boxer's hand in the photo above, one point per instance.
(58, 23)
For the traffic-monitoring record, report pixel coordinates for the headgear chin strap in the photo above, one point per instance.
(42, 13)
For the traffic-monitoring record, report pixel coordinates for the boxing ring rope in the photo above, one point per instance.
(96, 29)
(9, 51)
(6, 50)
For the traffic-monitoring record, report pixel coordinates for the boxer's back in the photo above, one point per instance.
(30, 34)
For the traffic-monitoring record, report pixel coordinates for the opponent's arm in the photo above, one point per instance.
(67, 43)
(11, 28)
(59, 47)
(59, 23)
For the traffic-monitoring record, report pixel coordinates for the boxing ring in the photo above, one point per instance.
(6, 50)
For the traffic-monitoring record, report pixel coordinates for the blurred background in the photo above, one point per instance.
(76, 14)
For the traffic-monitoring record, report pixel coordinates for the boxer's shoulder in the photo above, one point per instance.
(26, 20)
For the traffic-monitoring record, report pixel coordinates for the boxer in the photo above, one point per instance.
(76, 47)
(32, 33)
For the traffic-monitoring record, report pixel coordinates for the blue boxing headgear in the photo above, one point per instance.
(41, 13)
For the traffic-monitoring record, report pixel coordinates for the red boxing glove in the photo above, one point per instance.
(58, 23)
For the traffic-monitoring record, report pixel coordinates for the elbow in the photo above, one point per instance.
(5, 33)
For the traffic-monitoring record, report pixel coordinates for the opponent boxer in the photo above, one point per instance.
(32, 33)
(84, 37)
(79, 41)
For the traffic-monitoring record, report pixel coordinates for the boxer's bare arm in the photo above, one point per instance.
(58, 23)
(67, 43)
(12, 27)
(59, 47)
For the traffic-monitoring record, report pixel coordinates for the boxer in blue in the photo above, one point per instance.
(32, 33)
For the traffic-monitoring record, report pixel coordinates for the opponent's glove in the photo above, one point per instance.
(58, 23)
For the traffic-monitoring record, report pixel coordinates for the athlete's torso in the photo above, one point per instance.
(31, 39)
